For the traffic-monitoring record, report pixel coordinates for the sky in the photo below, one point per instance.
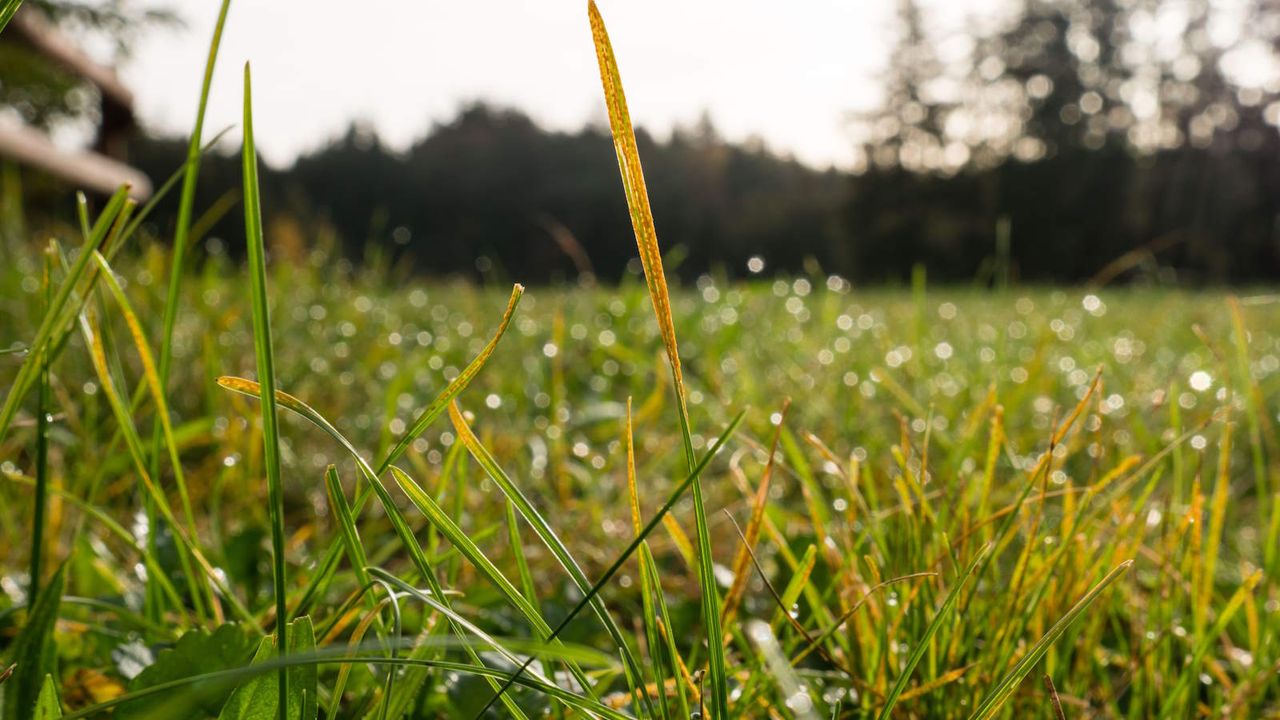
(786, 72)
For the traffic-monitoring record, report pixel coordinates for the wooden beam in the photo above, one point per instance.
(80, 168)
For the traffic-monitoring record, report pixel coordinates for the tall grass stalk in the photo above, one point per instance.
(43, 408)
(162, 433)
(267, 382)
(624, 143)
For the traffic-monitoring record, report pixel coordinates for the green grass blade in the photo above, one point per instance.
(995, 699)
(447, 527)
(549, 538)
(43, 408)
(424, 419)
(921, 646)
(267, 379)
(48, 706)
(346, 525)
(33, 651)
(7, 10)
(186, 201)
(327, 656)
(639, 539)
(398, 522)
(189, 172)
(441, 402)
(60, 310)
(642, 224)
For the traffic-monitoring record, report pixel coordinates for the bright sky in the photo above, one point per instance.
(786, 72)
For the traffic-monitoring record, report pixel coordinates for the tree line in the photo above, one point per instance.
(1050, 140)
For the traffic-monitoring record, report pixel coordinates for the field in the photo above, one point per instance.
(789, 497)
(917, 426)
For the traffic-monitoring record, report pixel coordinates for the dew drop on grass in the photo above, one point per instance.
(1200, 381)
(800, 702)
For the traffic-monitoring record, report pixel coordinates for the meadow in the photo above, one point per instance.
(484, 500)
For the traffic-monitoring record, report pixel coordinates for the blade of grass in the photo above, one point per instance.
(442, 522)
(995, 699)
(335, 656)
(190, 171)
(420, 424)
(400, 526)
(267, 378)
(7, 10)
(553, 542)
(624, 142)
(60, 310)
(639, 539)
(42, 448)
(922, 645)
(650, 587)
(346, 525)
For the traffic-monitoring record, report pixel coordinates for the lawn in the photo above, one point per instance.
(911, 429)
(790, 497)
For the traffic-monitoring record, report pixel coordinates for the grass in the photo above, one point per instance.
(943, 490)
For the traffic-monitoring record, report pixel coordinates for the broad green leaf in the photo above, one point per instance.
(259, 698)
(196, 652)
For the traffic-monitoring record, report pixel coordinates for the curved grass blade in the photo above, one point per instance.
(98, 357)
(995, 699)
(441, 402)
(922, 645)
(424, 419)
(189, 172)
(327, 657)
(447, 527)
(551, 540)
(639, 539)
(398, 522)
(267, 378)
(61, 310)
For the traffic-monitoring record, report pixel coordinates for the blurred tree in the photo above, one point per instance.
(43, 92)
(1097, 129)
